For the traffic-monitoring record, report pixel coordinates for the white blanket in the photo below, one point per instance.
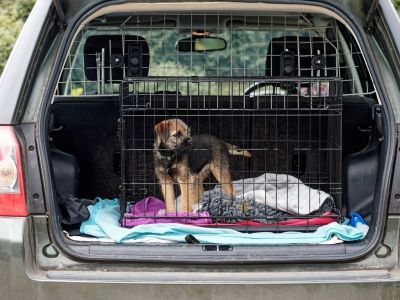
(281, 191)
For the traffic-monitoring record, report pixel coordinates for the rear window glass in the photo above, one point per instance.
(249, 44)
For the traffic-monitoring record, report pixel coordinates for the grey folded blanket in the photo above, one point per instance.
(228, 209)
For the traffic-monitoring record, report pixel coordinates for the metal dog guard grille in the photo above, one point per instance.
(291, 126)
(249, 35)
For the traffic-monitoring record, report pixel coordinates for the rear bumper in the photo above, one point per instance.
(28, 274)
(64, 268)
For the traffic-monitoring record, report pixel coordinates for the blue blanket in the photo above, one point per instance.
(104, 222)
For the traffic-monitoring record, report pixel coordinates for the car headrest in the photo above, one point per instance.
(134, 58)
(304, 49)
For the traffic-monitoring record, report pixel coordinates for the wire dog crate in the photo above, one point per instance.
(291, 127)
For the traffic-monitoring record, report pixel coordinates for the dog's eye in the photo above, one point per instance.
(178, 134)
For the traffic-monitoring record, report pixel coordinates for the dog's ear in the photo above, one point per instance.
(161, 130)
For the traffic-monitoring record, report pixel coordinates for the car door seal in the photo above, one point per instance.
(371, 14)
(60, 13)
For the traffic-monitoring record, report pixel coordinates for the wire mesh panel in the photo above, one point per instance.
(256, 153)
(98, 60)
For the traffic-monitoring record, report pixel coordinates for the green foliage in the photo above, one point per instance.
(13, 14)
(397, 5)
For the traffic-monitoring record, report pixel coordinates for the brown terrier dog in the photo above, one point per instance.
(188, 160)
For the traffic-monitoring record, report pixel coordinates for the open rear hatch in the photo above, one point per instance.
(259, 123)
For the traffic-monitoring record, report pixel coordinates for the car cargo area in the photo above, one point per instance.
(211, 131)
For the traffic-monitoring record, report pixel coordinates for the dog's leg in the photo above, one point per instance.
(198, 191)
(191, 191)
(167, 189)
(223, 176)
(184, 185)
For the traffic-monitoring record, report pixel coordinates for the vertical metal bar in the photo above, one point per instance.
(110, 79)
(98, 63)
(103, 80)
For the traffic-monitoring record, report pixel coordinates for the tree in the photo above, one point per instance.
(397, 5)
(12, 17)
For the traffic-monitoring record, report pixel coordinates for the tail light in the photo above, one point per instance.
(12, 197)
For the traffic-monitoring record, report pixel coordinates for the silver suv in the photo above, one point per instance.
(309, 88)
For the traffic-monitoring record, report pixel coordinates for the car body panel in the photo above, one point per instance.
(15, 72)
(64, 267)
(22, 277)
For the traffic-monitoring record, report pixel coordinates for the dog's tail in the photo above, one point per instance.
(234, 150)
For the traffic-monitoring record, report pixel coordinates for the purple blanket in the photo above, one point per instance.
(149, 211)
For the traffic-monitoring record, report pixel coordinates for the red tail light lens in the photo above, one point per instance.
(12, 197)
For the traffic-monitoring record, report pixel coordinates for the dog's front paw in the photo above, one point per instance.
(196, 208)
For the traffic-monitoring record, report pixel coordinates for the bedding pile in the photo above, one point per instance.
(104, 223)
(272, 199)
(264, 199)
